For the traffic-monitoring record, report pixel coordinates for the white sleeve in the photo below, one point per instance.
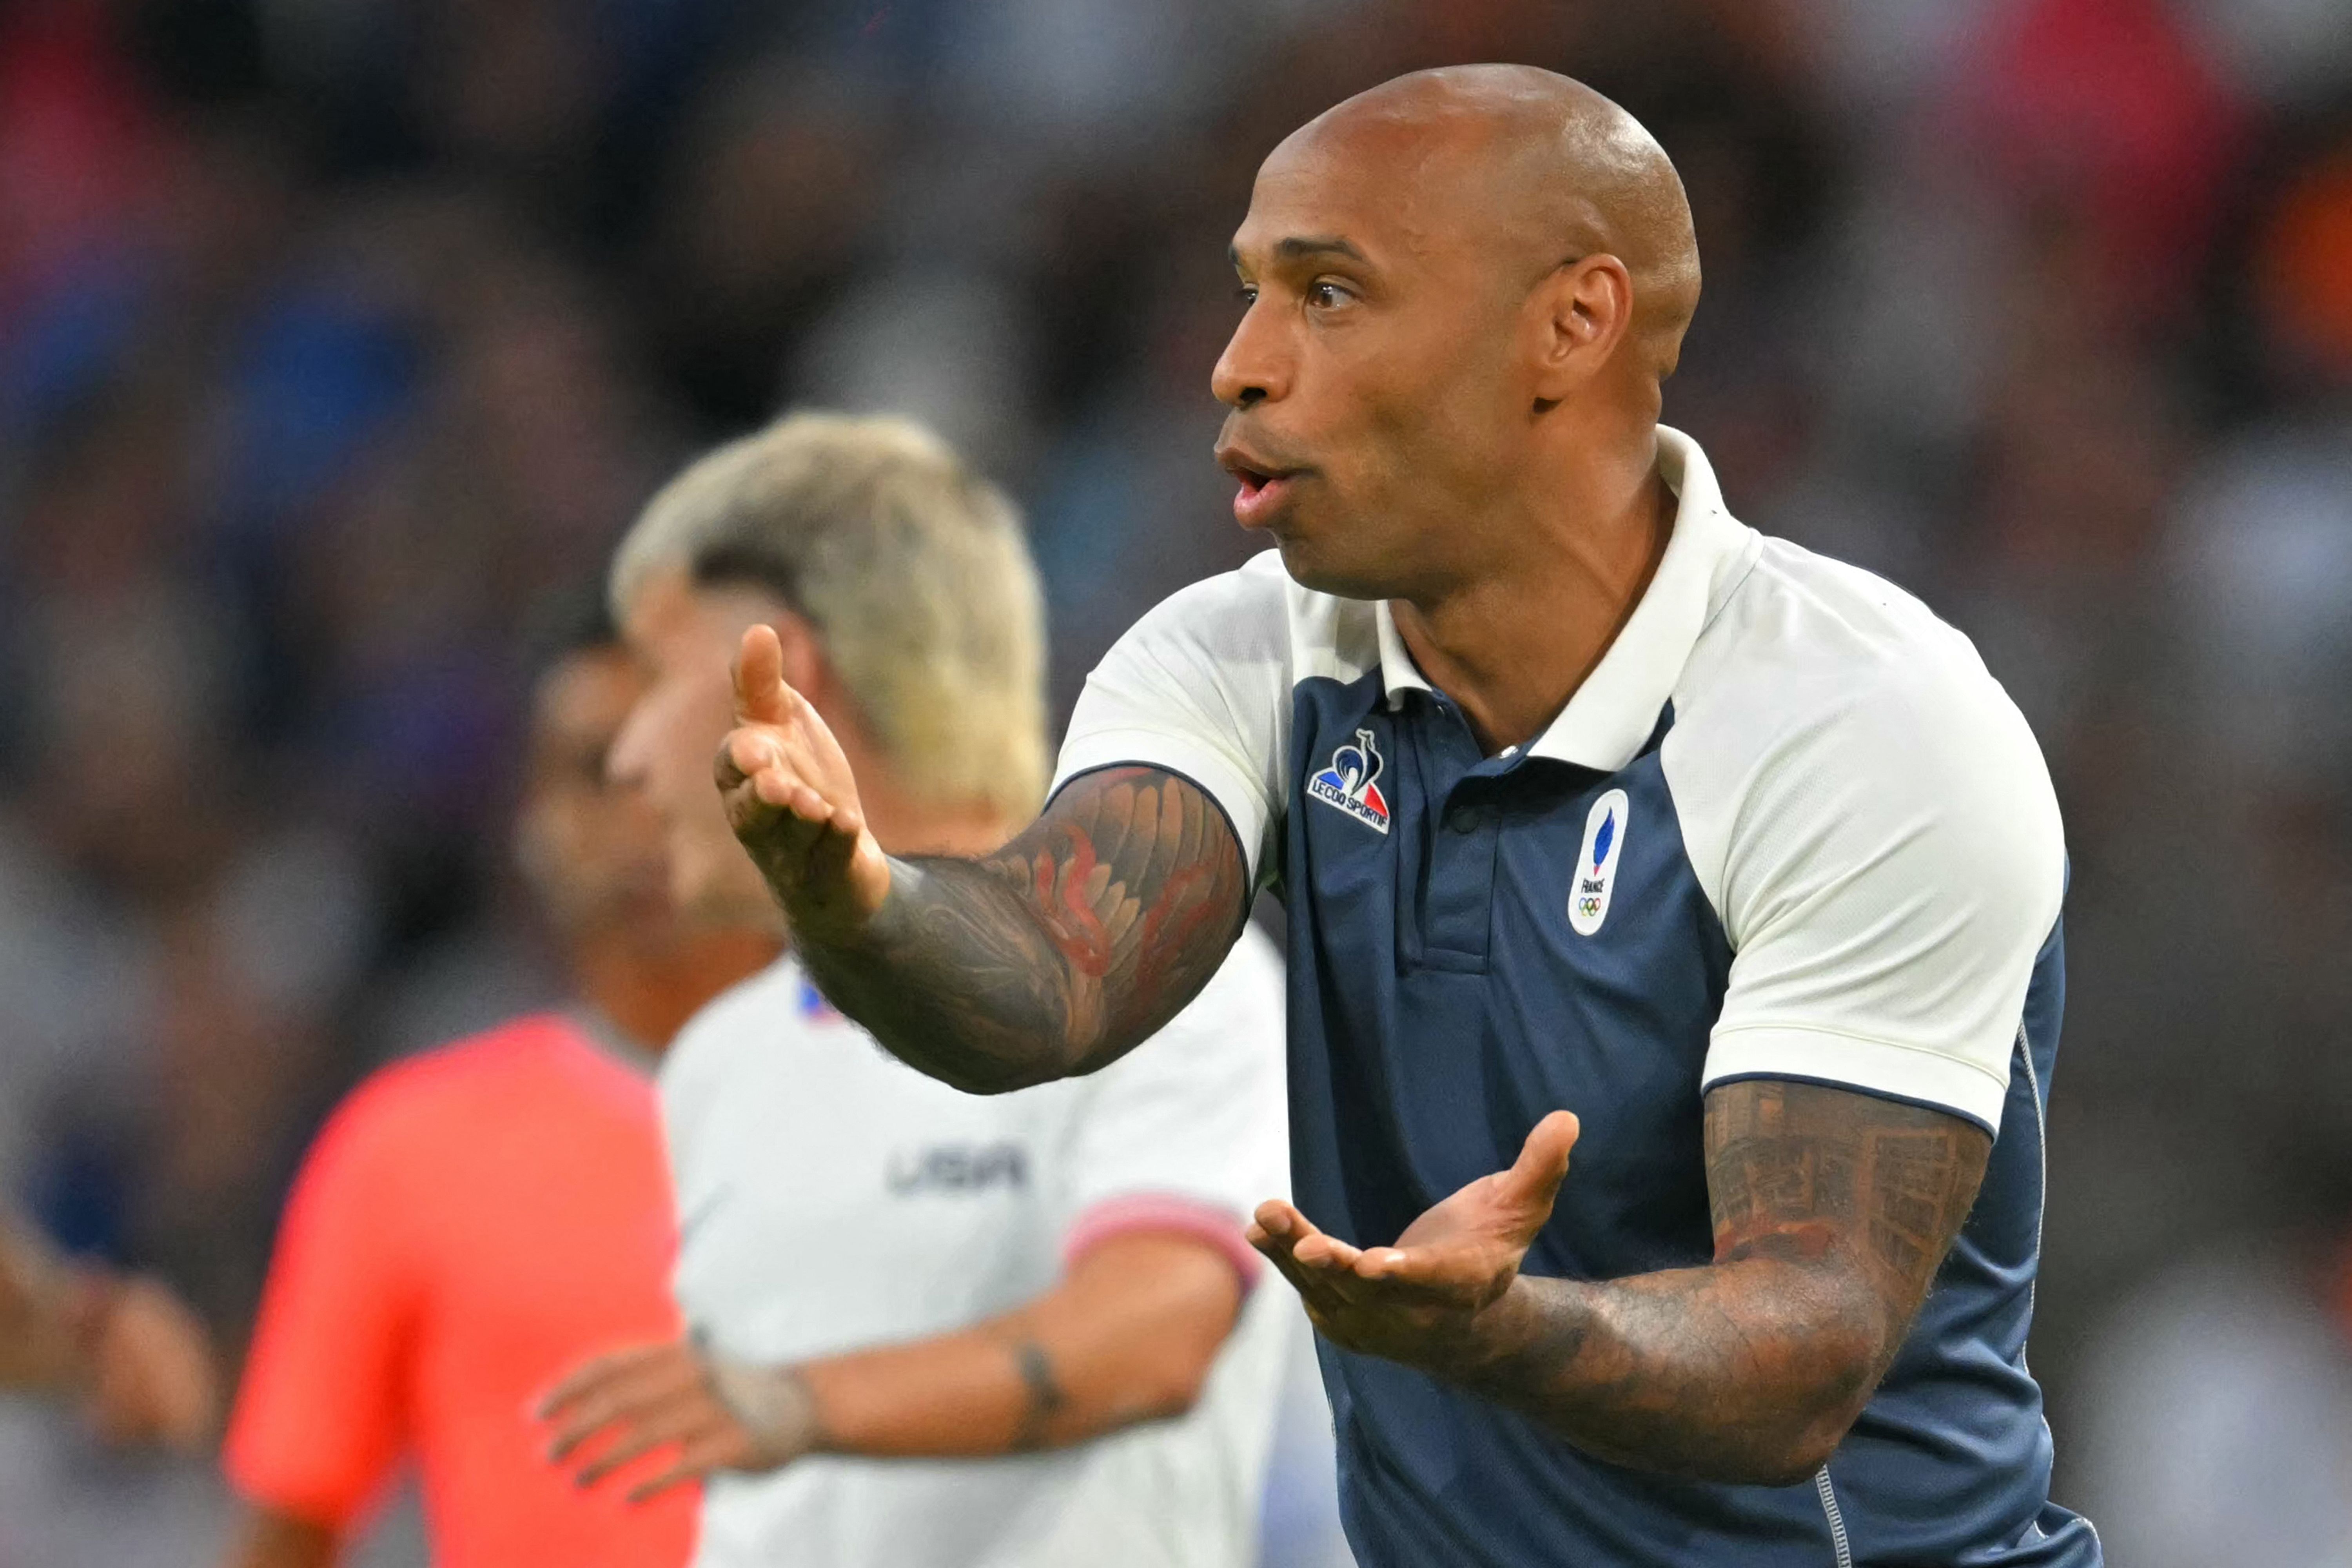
(1886, 872)
(1199, 686)
(1195, 1118)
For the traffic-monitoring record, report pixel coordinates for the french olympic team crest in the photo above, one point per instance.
(1596, 865)
(1348, 782)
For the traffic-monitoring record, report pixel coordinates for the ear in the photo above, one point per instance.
(1581, 312)
(809, 670)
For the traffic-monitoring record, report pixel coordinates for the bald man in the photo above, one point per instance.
(1601, 821)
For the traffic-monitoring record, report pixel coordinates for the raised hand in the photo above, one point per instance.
(1416, 1301)
(793, 801)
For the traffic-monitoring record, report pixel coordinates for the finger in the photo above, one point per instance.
(694, 1461)
(1313, 1285)
(1415, 1275)
(1319, 1266)
(625, 1402)
(599, 1415)
(594, 1373)
(649, 1430)
(837, 847)
(1330, 1329)
(745, 754)
(1296, 1235)
(787, 791)
(1533, 1181)
(114, 1409)
(1328, 1253)
(1277, 1252)
(1299, 1236)
(169, 1365)
(761, 695)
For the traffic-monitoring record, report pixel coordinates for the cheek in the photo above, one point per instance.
(1445, 436)
(631, 827)
(1388, 421)
(684, 743)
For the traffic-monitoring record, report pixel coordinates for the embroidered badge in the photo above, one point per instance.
(1348, 783)
(1596, 867)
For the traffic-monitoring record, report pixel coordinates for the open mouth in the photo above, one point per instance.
(1253, 480)
(1261, 488)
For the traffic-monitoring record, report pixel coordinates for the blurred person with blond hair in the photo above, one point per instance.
(475, 1219)
(925, 1328)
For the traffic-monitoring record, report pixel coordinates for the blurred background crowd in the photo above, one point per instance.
(339, 337)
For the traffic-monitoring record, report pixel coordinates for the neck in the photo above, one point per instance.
(1511, 645)
(648, 989)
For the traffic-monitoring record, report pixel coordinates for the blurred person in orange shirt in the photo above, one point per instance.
(473, 1221)
(124, 1345)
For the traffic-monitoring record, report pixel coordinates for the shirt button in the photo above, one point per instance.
(1466, 819)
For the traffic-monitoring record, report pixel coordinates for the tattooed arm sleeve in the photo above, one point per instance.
(1060, 952)
(1832, 1212)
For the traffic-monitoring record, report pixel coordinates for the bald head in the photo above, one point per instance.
(1537, 168)
(1465, 288)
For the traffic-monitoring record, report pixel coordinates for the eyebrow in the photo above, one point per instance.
(1300, 247)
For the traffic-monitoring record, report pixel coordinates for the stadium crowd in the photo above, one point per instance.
(337, 342)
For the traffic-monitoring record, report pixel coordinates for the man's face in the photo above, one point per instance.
(1375, 407)
(593, 851)
(684, 640)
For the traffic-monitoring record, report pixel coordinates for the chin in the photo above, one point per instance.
(1312, 567)
(696, 887)
(722, 906)
(718, 886)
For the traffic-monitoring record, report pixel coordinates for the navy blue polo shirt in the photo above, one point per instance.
(1788, 828)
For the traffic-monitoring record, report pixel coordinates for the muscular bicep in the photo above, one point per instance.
(1141, 888)
(1805, 1172)
(1061, 951)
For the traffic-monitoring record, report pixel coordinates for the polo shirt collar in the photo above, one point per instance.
(1610, 717)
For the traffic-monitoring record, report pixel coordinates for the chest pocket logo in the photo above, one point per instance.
(1346, 785)
(1596, 865)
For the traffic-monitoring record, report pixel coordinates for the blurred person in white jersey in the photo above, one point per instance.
(924, 1327)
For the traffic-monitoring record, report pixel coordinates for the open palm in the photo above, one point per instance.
(791, 798)
(1455, 1260)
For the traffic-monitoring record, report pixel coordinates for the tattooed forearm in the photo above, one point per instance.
(1832, 1212)
(1065, 949)
(1045, 1397)
(1792, 1168)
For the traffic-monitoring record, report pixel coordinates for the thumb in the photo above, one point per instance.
(761, 695)
(1534, 1176)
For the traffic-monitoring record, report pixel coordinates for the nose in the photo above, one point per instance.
(1257, 365)
(625, 759)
